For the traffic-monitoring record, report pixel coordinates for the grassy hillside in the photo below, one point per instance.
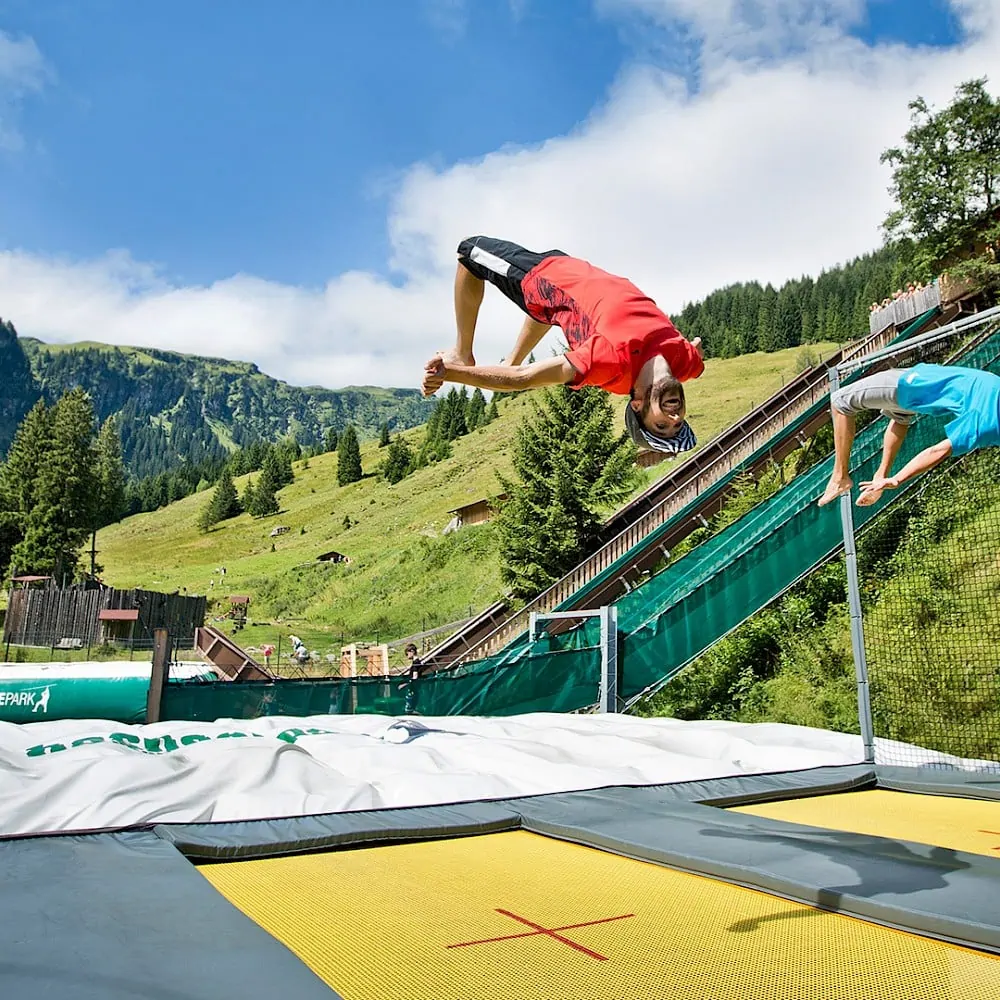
(404, 576)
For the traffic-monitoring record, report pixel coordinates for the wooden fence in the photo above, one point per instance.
(43, 617)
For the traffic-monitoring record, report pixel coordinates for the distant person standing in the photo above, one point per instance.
(413, 672)
(299, 652)
(969, 396)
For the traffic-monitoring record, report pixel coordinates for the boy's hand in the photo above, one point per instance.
(696, 344)
(434, 373)
(871, 491)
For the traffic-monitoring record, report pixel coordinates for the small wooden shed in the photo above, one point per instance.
(239, 608)
(477, 512)
(118, 624)
(333, 557)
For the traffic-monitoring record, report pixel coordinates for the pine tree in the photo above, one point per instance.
(348, 457)
(786, 328)
(453, 422)
(435, 447)
(278, 466)
(222, 505)
(9, 533)
(110, 474)
(247, 499)
(265, 499)
(226, 501)
(492, 412)
(383, 436)
(64, 509)
(475, 415)
(765, 318)
(398, 462)
(570, 463)
(27, 454)
(330, 440)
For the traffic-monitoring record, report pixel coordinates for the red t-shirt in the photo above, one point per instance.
(612, 328)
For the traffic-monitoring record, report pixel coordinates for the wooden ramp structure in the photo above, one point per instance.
(229, 660)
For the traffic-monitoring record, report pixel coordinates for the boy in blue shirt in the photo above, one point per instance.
(969, 396)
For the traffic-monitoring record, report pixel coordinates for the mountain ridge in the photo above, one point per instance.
(175, 408)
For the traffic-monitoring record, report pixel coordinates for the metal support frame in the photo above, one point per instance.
(857, 619)
(609, 646)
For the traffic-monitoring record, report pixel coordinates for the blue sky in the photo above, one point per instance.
(250, 136)
(285, 183)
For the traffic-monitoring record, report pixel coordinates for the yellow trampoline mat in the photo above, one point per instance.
(520, 916)
(958, 824)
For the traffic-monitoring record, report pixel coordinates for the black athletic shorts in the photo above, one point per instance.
(501, 263)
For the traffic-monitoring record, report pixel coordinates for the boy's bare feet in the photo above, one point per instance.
(834, 489)
(452, 357)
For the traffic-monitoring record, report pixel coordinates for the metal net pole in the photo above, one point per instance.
(854, 606)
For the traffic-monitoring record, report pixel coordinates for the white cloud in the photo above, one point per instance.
(769, 171)
(22, 70)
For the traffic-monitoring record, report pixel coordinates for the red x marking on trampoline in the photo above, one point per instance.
(997, 832)
(551, 932)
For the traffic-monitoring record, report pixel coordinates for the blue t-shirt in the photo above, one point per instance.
(970, 396)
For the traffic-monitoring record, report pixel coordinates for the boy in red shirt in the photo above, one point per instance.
(618, 338)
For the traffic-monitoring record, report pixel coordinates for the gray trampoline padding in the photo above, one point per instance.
(126, 917)
(269, 838)
(942, 893)
(940, 781)
(746, 789)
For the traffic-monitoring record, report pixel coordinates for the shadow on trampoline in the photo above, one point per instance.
(754, 923)
(891, 867)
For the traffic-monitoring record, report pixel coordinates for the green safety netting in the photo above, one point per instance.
(663, 624)
(542, 678)
(683, 610)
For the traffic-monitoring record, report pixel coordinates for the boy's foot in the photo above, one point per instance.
(834, 489)
(452, 357)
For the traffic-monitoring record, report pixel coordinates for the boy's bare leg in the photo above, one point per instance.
(468, 298)
(531, 333)
(843, 438)
(892, 441)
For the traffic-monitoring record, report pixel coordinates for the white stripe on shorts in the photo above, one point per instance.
(490, 261)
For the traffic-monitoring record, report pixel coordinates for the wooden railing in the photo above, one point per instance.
(906, 307)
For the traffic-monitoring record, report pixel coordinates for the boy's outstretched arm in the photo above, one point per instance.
(502, 378)
(921, 462)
